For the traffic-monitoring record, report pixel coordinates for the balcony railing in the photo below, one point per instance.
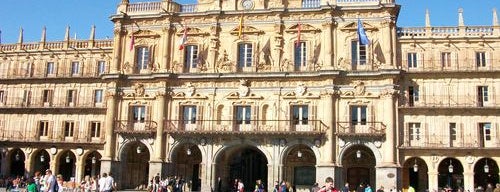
(361, 129)
(55, 102)
(142, 127)
(58, 45)
(453, 65)
(425, 32)
(446, 141)
(311, 3)
(362, 2)
(188, 8)
(446, 101)
(16, 135)
(246, 127)
(145, 7)
(62, 72)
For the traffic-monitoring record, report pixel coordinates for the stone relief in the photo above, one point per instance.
(243, 90)
(223, 63)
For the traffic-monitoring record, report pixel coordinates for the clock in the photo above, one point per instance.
(247, 4)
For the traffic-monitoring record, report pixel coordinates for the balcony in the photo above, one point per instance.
(59, 45)
(445, 141)
(16, 135)
(56, 102)
(427, 32)
(364, 130)
(446, 101)
(250, 127)
(40, 72)
(311, 3)
(135, 127)
(466, 65)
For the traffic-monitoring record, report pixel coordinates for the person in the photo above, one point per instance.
(85, 184)
(489, 188)
(235, 185)
(37, 180)
(283, 187)
(381, 189)
(315, 187)
(111, 181)
(241, 186)
(259, 187)
(219, 184)
(104, 185)
(328, 187)
(50, 181)
(345, 188)
(60, 183)
(31, 186)
(497, 189)
(368, 188)
(411, 189)
(276, 186)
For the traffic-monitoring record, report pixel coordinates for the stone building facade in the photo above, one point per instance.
(272, 90)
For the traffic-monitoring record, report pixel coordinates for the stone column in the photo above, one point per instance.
(116, 49)
(469, 180)
(433, 179)
(165, 49)
(326, 165)
(109, 146)
(386, 45)
(388, 147)
(160, 118)
(79, 168)
(327, 46)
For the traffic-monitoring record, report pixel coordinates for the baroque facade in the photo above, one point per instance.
(251, 89)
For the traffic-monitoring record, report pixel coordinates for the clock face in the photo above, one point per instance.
(247, 4)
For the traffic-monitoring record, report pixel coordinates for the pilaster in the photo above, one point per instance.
(160, 118)
(469, 181)
(388, 158)
(387, 177)
(111, 100)
(328, 54)
(117, 49)
(433, 180)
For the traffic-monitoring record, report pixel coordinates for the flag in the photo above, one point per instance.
(240, 29)
(362, 38)
(132, 41)
(297, 43)
(183, 40)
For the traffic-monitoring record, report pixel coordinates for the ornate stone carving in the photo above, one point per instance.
(359, 88)
(223, 63)
(139, 90)
(243, 90)
(190, 89)
(300, 89)
(389, 92)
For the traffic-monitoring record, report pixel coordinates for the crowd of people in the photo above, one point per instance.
(168, 184)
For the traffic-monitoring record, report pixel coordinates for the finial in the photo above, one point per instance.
(427, 18)
(460, 17)
(66, 35)
(92, 33)
(495, 17)
(20, 38)
(44, 34)
(125, 1)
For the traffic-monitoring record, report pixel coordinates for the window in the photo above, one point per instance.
(412, 95)
(412, 60)
(2, 96)
(101, 67)
(50, 68)
(71, 97)
(98, 96)
(300, 59)
(191, 57)
(139, 114)
(244, 55)
(243, 114)
(142, 59)
(75, 68)
(358, 115)
(414, 129)
(43, 128)
(358, 53)
(189, 114)
(453, 131)
(69, 128)
(482, 95)
(480, 59)
(26, 97)
(485, 131)
(95, 129)
(446, 59)
(300, 114)
(47, 96)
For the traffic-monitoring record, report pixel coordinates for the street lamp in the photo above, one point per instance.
(94, 160)
(188, 151)
(299, 154)
(42, 158)
(68, 159)
(138, 150)
(358, 154)
(486, 167)
(18, 157)
(450, 168)
(415, 166)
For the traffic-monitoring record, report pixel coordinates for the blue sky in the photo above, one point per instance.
(80, 15)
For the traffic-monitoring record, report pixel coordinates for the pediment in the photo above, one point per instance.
(246, 29)
(236, 95)
(353, 26)
(182, 95)
(192, 31)
(293, 95)
(303, 28)
(145, 33)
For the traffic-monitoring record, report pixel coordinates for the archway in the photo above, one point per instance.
(135, 166)
(485, 172)
(415, 174)
(67, 165)
(243, 162)
(92, 165)
(300, 167)
(451, 174)
(358, 166)
(187, 161)
(41, 161)
(17, 166)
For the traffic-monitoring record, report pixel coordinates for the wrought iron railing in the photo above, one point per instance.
(16, 135)
(130, 126)
(246, 127)
(445, 141)
(425, 32)
(451, 65)
(55, 102)
(361, 128)
(462, 100)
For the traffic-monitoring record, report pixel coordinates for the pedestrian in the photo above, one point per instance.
(345, 188)
(315, 187)
(328, 187)
(50, 181)
(381, 189)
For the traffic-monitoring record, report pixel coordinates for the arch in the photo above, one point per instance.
(450, 174)
(187, 159)
(134, 158)
(218, 153)
(358, 162)
(66, 161)
(375, 151)
(40, 160)
(291, 145)
(299, 162)
(485, 172)
(16, 158)
(123, 146)
(415, 174)
(91, 163)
